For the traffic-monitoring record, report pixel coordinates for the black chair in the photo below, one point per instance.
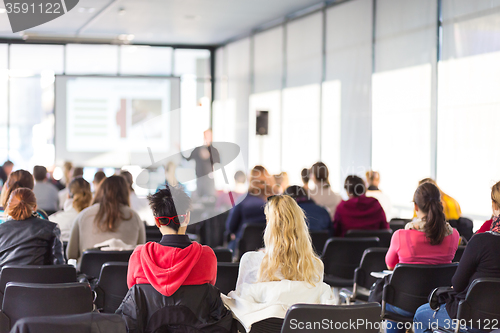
(153, 234)
(317, 314)
(24, 300)
(384, 235)
(227, 276)
(464, 227)
(92, 260)
(373, 260)
(319, 239)
(80, 323)
(269, 325)
(111, 287)
(223, 255)
(252, 238)
(397, 223)
(36, 274)
(410, 286)
(459, 253)
(342, 256)
(480, 307)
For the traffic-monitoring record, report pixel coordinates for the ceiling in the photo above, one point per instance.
(176, 22)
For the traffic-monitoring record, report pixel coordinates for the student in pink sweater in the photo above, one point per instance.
(427, 240)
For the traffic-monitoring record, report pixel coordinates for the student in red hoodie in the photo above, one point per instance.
(175, 261)
(360, 211)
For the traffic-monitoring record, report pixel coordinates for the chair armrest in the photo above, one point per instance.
(346, 295)
(4, 323)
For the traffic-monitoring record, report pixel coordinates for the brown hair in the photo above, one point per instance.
(428, 199)
(22, 204)
(79, 190)
(17, 179)
(320, 172)
(128, 178)
(495, 194)
(259, 184)
(111, 194)
(40, 173)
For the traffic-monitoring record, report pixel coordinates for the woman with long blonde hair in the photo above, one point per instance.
(286, 272)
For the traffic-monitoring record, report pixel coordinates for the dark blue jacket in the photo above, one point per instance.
(249, 210)
(317, 217)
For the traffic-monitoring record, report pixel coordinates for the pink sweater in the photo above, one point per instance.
(412, 247)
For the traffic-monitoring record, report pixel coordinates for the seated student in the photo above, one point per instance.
(373, 180)
(427, 240)
(99, 177)
(25, 239)
(173, 262)
(495, 203)
(69, 174)
(360, 211)
(251, 208)
(79, 198)
(323, 194)
(46, 193)
(109, 217)
(451, 207)
(317, 217)
(479, 260)
(17, 179)
(304, 175)
(287, 272)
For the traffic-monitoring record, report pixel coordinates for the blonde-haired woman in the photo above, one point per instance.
(79, 198)
(285, 273)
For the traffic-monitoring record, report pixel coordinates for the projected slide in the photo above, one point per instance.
(115, 114)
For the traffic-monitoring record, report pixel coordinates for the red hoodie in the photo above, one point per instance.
(359, 213)
(167, 268)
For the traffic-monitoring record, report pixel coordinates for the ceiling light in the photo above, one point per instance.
(122, 11)
(3, 10)
(192, 17)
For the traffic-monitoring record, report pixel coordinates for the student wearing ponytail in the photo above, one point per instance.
(79, 198)
(427, 240)
(25, 239)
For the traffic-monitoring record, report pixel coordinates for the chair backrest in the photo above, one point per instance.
(36, 274)
(317, 315)
(269, 325)
(23, 300)
(153, 234)
(459, 253)
(319, 239)
(92, 260)
(342, 256)
(481, 307)
(223, 255)
(227, 276)
(252, 238)
(384, 235)
(111, 287)
(80, 323)
(410, 285)
(373, 260)
(397, 223)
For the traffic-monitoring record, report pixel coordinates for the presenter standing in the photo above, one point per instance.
(205, 157)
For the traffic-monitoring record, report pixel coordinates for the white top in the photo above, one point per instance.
(254, 301)
(324, 196)
(384, 201)
(65, 219)
(63, 196)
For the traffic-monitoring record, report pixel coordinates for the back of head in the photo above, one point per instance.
(128, 178)
(304, 174)
(77, 172)
(79, 190)
(17, 179)
(354, 186)
(99, 176)
(239, 177)
(21, 204)
(427, 180)
(372, 176)
(40, 173)
(171, 201)
(112, 193)
(8, 164)
(428, 199)
(288, 244)
(259, 181)
(296, 192)
(320, 173)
